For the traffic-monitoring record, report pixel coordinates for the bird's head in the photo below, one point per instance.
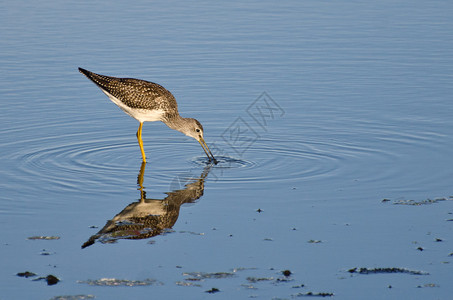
(194, 129)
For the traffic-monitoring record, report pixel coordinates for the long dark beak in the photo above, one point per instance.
(206, 150)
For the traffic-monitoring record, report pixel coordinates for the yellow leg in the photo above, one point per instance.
(140, 142)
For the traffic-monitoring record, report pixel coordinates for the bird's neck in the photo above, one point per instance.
(176, 122)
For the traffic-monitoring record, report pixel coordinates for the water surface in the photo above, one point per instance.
(317, 112)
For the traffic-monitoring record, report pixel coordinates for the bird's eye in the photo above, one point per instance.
(197, 130)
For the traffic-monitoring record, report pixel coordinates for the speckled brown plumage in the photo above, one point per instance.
(135, 93)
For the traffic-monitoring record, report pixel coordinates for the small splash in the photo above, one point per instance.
(223, 162)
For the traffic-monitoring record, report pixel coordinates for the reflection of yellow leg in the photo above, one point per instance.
(140, 142)
(140, 182)
(141, 175)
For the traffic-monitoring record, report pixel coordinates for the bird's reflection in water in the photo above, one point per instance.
(149, 217)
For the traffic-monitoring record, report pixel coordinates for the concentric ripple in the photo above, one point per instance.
(374, 156)
(270, 161)
(92, 162)
(84, 162)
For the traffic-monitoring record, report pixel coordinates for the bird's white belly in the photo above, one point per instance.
(139, 114)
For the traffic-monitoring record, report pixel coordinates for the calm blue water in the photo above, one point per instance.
(318, 111)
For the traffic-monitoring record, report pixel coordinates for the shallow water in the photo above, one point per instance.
(316, 112)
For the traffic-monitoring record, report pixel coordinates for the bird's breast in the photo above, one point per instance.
(140, 114)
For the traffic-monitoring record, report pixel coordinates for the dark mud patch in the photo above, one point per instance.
(26, 274)
(286, 273)
(213, 291)
(252, 279)
(386, 271)
(50, 279)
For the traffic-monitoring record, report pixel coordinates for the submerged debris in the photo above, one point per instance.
(186, 283)
(242, 269)
(203, 275)
(311, 294)
(249, 286)
(386, 271)
(283, 279)
(120, 282)
(314, 241)
(26, 274)
(428, 285)
(269, 279)
(43, 237)
(193, 279)
(73, 297)
(421, 202)
(191, 232)
(258, 279)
